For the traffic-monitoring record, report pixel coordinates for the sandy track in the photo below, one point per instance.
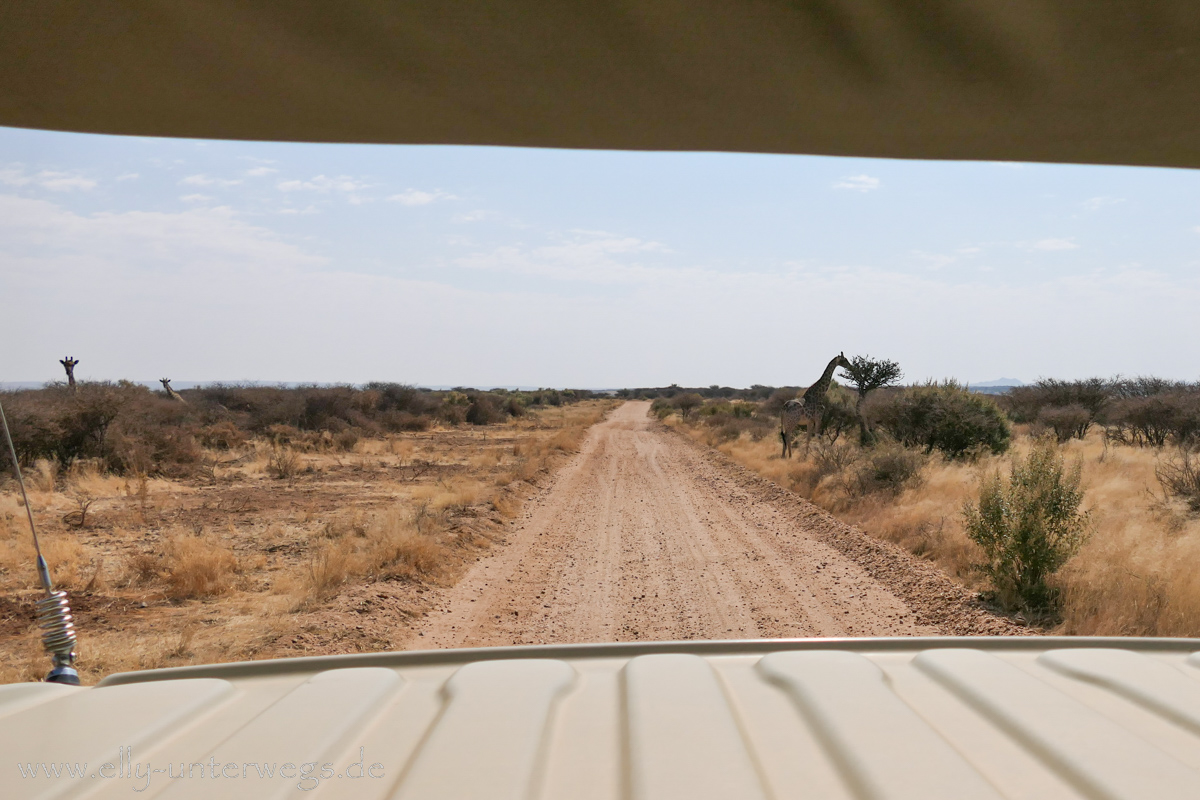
(644, 535)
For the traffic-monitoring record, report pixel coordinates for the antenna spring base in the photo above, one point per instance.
(58, 636)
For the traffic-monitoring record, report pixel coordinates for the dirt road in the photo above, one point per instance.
(647, 536)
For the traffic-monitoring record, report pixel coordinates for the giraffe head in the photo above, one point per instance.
(166, 382)
(842, 361)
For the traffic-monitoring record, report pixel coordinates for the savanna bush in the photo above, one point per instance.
(944, 417)
(1155, 420)
(131, 429)
(222, 435)
(1025, 403)
(687, 403)
(888, 469)
(1179, 475)
(514, 407)
(840, 414)
(482, 411)
(662, 407)
(57, 425)
(1067, 422)
(395, 420)
(1028, 527)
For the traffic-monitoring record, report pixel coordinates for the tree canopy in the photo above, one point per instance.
(866, 374)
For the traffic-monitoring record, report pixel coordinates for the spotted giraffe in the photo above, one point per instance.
(69, 363)
(171, 393)
(809, 409)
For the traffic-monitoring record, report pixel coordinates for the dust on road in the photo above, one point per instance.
(646, 536)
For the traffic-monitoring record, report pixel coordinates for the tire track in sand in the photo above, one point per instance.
(645, 536)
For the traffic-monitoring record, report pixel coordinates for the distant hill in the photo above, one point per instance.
(1008, 383)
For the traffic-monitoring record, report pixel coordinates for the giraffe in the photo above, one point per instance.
(808, 409)
(69, 365)
(171, 393)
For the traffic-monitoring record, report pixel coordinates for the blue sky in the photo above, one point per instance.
(208, 261)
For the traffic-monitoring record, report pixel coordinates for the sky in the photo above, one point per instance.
(438, 266)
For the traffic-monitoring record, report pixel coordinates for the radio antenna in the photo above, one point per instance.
(53, 613)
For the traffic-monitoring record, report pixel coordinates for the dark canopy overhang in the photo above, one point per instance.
(1102, 81)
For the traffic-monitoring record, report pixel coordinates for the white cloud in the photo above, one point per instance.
(1055, 244)
(196, 198)
(63, 181)
(305, 210)
(128, 176)
(860, 183)
(261, 172)
(478, 215)
(1097, 203)
(46, 233)
(46, 179)
(321, 183)
(940, 260)
(589, 257)
(935, 260)
(205, 180)
(416, 197)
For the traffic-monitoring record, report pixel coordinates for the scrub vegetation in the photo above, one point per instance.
(254, 522)
(1073, 505)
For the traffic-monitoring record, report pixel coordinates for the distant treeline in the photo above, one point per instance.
(130, 428)
(1142, 411)
(754, 393)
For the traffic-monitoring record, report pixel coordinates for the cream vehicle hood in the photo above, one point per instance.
(915, 718)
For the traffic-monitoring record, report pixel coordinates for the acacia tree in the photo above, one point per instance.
(687, 403)
(865, 375)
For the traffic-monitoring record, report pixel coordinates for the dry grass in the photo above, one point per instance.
(1136, 575)
(198, 566)
(237, 563)
(386, 546)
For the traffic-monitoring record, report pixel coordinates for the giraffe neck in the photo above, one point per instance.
(817, 391)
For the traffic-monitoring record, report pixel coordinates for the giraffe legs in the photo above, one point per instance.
(814, 426)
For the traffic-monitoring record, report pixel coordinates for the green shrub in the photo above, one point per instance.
(1028, 527)
(944, 417)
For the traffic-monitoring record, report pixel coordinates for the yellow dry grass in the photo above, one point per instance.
(223, 566)
(1137, 574)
